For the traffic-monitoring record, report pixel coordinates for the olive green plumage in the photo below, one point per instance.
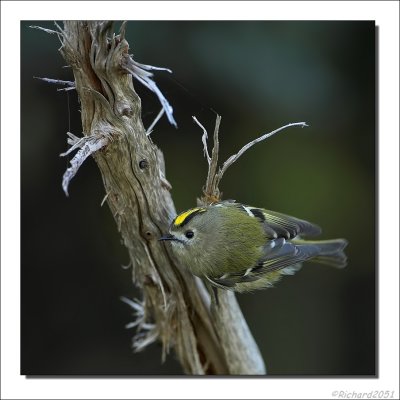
(242, 248)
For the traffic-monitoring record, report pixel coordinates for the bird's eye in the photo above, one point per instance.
(189, 234)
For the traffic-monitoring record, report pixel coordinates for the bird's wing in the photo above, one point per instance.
(277, 225)
(277, 255)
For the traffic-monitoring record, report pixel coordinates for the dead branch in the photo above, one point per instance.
(175, 307)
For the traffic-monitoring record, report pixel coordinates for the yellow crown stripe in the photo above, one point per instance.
(180, 219)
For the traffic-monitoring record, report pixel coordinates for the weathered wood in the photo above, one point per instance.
(176, 307)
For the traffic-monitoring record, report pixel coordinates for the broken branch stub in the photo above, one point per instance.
(211, 192)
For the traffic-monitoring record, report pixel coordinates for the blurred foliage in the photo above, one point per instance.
(258, 76)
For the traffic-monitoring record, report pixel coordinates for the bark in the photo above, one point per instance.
(176, 307)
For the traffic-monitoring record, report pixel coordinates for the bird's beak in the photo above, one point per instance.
(168, 236)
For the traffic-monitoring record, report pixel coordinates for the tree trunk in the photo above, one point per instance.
(176, 308)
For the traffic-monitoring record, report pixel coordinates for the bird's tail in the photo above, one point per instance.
(329, 252)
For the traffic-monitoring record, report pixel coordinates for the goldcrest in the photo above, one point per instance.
(243, 248)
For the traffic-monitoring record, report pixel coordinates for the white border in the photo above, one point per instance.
(15, 386)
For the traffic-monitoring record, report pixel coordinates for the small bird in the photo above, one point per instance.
(243, 248)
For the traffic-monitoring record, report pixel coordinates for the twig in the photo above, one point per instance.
(58, 82)
(104, 199)
(153, 124)
(211, 186)
(203, 139)
(140, 72)
(89, 145)
(51, 31)
(211, 189)
(235, 157)
(59, 33)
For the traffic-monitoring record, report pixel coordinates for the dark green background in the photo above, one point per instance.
(258, 76)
